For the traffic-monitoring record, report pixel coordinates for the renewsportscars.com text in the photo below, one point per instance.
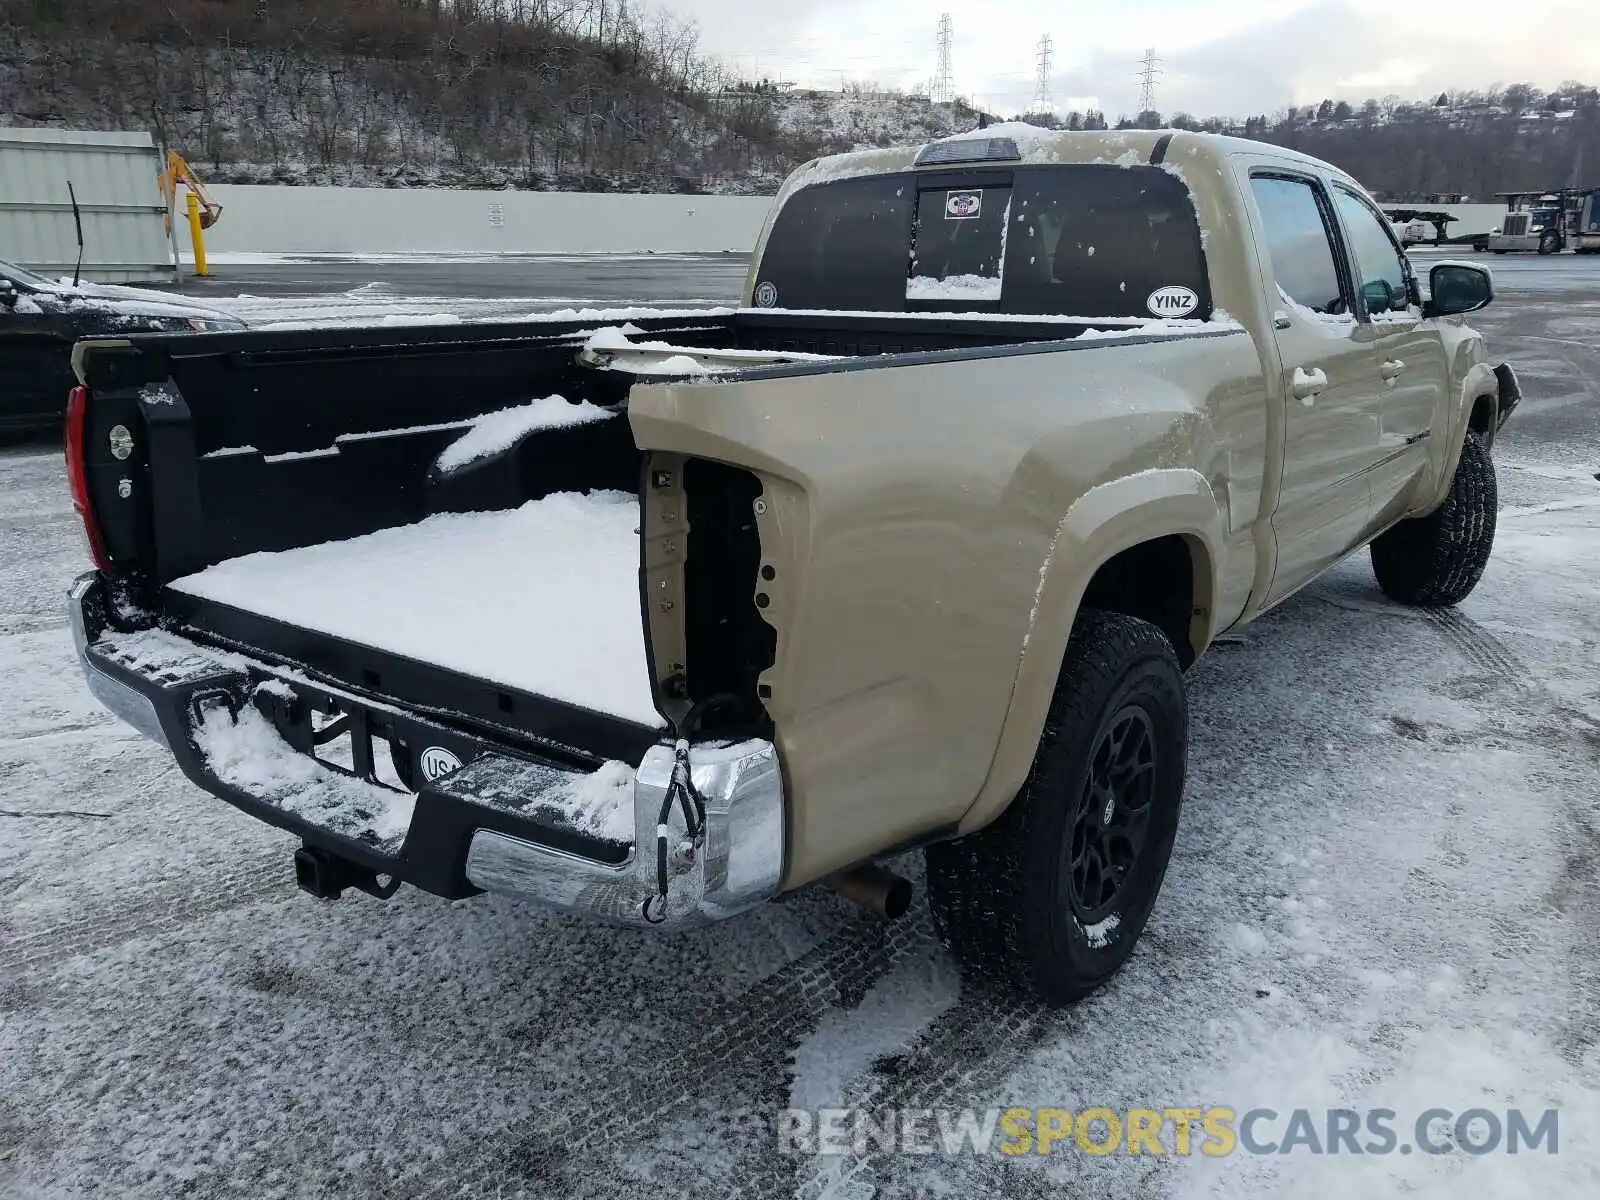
(1215, 1131)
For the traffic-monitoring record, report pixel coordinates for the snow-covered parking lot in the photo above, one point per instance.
(1385, 894)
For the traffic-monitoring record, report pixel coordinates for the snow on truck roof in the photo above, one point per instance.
(1036, 145)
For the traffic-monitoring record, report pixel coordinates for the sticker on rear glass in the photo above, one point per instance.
(963, 206)
(767, 294)
(1173, 301)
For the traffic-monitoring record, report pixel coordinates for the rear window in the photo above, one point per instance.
(1086, 241)
(840, 245)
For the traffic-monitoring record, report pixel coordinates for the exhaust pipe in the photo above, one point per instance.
(878, 890)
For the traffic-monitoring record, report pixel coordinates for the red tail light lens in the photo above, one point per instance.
(77, 477)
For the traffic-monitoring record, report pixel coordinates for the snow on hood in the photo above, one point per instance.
(138, 302)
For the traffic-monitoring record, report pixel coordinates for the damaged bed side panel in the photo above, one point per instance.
(906, 514)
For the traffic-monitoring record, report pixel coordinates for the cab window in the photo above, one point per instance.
(1298, 237)
(1381, 275)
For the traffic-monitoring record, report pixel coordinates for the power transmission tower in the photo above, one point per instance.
(1043, 102)
(1149, 71)
(942, 84)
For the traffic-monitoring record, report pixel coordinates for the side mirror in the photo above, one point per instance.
(8, 294)
(1458, 288)
(1377, 296)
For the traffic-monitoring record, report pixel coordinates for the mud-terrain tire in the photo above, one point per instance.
(1012, 901)
(1435, 561)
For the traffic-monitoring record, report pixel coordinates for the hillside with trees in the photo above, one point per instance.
(604, 95)
(1468, 144)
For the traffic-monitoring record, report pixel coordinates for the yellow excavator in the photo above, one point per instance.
(203, 210)
(179, 171)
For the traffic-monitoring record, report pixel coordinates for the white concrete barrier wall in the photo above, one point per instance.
(269, 219)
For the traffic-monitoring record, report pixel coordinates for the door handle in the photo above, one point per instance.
(1391, 368)
(1307, 385)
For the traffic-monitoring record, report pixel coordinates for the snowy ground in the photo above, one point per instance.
(1386, 892)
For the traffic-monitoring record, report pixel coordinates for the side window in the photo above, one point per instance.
(1299, 244)
(1380, 271)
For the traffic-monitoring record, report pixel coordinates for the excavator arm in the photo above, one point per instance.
(178, 171)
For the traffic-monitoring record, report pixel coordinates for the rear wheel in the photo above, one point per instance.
(1055, 893)
(1436, 560)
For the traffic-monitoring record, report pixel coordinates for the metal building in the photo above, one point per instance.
(117, 180)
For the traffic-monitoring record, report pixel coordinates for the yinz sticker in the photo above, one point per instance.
(1172, 301)
(963, 206)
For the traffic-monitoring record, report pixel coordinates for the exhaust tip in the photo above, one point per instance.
(874, 888)
(897, 900)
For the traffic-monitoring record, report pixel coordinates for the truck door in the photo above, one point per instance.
(1328, 375)
(1407, 352)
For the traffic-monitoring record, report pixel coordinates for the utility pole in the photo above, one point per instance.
(943, 87)
(1042, 100)
(1149, 70)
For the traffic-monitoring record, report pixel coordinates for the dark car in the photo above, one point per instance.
(40, 320)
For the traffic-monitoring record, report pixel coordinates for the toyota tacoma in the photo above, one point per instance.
(658, 617)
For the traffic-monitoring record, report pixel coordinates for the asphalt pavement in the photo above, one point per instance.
(633, 278)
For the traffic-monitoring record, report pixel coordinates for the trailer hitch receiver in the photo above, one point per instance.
(326, 876)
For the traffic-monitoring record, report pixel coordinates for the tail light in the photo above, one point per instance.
(78, 477)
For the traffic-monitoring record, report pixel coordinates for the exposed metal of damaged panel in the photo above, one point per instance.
(117, 180)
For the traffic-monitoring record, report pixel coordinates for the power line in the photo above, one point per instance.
(942, 84)
(1150, 70)
(1042, 100)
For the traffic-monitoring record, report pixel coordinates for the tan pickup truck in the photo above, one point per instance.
(659, 616)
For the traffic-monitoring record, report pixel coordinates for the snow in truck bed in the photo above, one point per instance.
(543, 598)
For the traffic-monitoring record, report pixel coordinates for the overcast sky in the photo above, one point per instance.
(1219, 57)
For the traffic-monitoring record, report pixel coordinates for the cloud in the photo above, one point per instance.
(1218, 56)
(1350, 50)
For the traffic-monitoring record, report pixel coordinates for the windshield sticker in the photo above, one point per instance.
(1173, 301)
(766, 294)
(963, 206)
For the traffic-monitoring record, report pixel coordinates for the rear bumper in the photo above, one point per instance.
(503, 821)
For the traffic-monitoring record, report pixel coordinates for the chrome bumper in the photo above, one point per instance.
(736, 863)
(487, 825)
(133, 706)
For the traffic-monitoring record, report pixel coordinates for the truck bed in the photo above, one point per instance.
(543, 598)
(306, 498)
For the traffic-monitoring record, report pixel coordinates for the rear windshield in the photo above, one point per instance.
(1086, 241)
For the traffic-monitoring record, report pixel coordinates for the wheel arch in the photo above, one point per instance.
(1484, 396)
(1164, 525)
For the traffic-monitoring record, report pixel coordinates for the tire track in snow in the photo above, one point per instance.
(580, 1122)
(964, 1056)
(160, 913)
(1481, 648)
(1577, 892)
